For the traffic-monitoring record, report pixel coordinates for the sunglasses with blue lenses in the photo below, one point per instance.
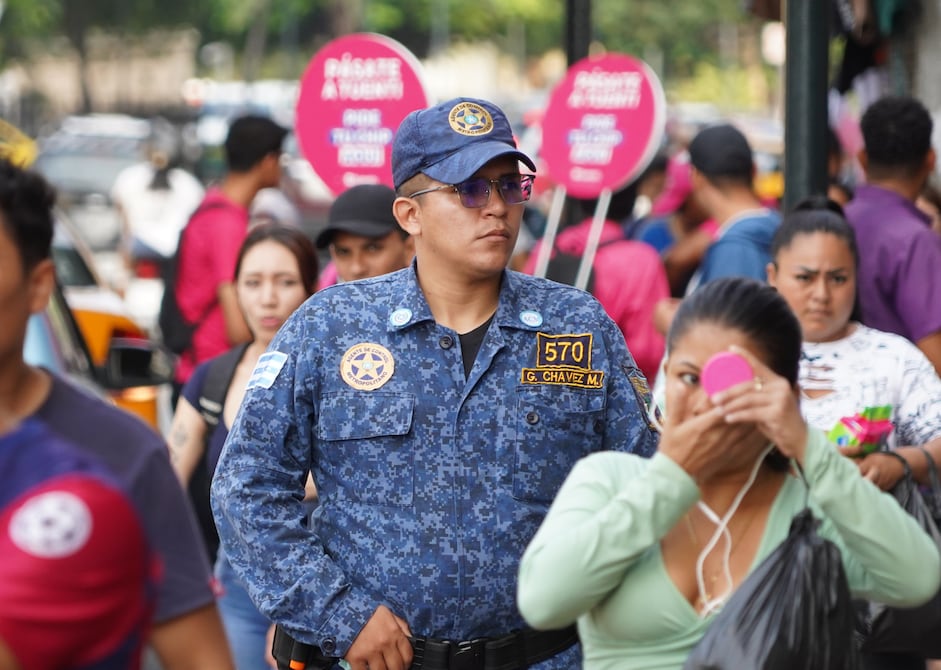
(475, 193)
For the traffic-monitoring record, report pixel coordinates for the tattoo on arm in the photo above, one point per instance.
(178, 439)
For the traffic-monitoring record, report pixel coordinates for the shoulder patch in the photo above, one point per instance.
(267, 370)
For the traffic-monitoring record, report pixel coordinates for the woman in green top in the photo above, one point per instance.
(643, 553)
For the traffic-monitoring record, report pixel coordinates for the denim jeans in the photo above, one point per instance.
(245, 626)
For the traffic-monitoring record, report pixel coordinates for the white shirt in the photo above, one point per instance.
(156, 216)
(868, 368)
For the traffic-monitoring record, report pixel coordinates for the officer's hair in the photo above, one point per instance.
(897, 135)
(751, 307)
(291, 238)
(26, 202)
(251, 139)
(413, 184)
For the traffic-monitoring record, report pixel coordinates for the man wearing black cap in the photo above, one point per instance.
(363, 236)
(438, 409)
(722, 175)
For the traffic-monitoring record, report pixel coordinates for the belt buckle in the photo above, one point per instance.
(467, 655)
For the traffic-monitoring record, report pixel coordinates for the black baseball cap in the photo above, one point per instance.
(365, 209)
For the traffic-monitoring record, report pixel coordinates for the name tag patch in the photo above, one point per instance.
(564, 360)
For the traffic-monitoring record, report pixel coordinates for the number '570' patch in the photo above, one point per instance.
(564, 360)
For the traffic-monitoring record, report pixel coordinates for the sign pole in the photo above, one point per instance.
(594, 236)
(552, 229)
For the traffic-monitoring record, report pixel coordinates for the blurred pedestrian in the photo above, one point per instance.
(723, 173)
(677, 227)
(186, 631)
(205, 284)
(643, 554)
(899, 254)
(275, 273)
(77, 579)
(438, 410)
(363, 236)
(154, 199)
(849, 371)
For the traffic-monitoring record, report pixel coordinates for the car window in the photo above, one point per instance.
(71, 268)
(84, 172)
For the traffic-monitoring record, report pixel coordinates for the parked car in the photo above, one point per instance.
(102, 318)
(130, 374)
(82, 158)
(101, 313)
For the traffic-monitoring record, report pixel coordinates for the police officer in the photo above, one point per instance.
(439, 409)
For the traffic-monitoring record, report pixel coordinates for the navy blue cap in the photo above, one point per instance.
(452, 140)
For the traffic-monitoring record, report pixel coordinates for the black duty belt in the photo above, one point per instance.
(515, 651)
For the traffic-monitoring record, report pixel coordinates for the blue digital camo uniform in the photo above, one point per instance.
(431, 485)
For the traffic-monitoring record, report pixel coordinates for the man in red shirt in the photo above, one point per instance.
(210, 243)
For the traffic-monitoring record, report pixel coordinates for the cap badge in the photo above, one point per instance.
(366, 366)
(468, 118)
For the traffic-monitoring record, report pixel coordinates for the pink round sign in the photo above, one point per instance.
(353, 96)
(603, 124)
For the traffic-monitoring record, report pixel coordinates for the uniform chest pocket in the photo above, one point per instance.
(555, 426)
(366, 449)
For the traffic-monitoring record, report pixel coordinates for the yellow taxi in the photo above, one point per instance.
(101, 315)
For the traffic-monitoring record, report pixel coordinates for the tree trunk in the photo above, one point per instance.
(76, 28)
(256, 41)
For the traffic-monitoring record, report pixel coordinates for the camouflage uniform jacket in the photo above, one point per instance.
(431, 484)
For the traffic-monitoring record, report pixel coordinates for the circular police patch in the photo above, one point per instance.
(366, 366)
(531, 318)
(471, 119)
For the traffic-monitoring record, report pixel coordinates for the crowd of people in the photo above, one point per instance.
(418, 457)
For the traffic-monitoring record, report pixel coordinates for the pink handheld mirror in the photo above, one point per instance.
(723, 371)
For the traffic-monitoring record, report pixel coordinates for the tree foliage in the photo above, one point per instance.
(685, 32)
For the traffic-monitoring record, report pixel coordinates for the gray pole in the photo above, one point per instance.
(577, 29)
(805, 106)
(577, 42)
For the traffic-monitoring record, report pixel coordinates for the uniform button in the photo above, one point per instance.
(532, 418)
(328, 646)
(446, 342)
(599, 427)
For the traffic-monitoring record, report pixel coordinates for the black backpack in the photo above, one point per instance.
(176, 332)
(563, 266)
(211, 402)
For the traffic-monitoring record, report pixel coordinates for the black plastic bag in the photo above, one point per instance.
(793, 611)
(932, 492)
(915, 630)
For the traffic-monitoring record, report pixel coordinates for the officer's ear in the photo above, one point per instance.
(407, 212)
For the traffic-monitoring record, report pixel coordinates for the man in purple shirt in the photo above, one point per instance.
(899, 255)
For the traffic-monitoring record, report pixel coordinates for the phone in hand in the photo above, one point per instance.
(724, 370)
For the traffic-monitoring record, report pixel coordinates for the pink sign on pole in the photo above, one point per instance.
(353, 96)
(603, 124)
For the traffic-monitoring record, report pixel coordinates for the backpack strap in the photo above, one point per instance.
(216, 386)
